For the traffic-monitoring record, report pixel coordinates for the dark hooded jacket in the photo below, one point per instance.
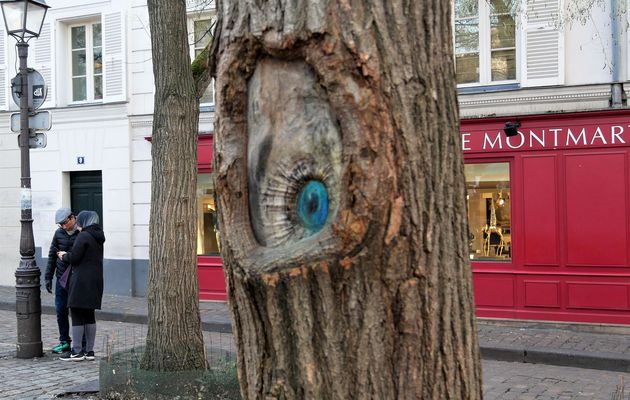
(85, 289)
(62, 241)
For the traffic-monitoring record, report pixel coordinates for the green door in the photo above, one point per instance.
(86, 192)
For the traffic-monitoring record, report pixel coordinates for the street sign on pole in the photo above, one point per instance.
(36, 89)
(36, 140)
(41, 120)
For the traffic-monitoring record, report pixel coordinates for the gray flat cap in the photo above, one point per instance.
(62, 214)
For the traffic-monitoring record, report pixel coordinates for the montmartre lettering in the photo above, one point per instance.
(486, 140)
(617, 134)
(521, 136)
(465, 141)
(575, 140)
(546, 138)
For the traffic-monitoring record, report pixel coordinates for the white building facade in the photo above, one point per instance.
(95, 57)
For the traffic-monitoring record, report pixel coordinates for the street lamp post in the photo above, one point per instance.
(23, 20)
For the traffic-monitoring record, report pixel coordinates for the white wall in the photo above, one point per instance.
(588, 48)
(9, 203)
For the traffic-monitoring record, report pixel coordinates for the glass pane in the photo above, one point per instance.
(98, 87)
(98, 60)
(202, 36)
(208, 95)
(78, 89)
(503, 31)
(466, 35)
(207, 232)
(467, 68)
(78, 62)
(503, 65)
(489, 211)
(501, 6)
(78, 37)
(34, 17)
(466, 8)
(96, 35)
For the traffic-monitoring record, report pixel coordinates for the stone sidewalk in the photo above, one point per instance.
(605, 347)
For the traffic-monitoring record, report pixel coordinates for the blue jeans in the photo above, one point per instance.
(61, 308)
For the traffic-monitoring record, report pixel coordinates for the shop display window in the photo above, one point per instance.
(207, 230)
(489, 211)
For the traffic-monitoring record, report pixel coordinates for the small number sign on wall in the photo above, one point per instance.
(80, 160)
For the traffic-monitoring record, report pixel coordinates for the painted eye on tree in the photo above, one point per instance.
(294, 154)
(312, 205)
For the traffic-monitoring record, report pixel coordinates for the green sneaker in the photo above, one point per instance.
(61, 348)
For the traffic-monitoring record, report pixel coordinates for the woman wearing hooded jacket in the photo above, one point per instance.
(85, 285)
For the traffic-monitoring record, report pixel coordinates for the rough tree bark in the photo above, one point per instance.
(174, 338)
(363, 290)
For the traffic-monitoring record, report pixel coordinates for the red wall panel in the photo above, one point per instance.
(493, 290)
(211, 278)
(596, 216)
(542, 293)
(599, 296)
(540, 219)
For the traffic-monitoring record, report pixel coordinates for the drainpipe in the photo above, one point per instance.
(617, 99)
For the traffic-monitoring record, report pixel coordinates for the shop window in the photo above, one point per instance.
(485, 41)
(207, 230)
(489, 216)
(87, 62)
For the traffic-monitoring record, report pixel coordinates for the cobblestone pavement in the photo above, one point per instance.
(519, 381)
(531, 335)
(46, 377)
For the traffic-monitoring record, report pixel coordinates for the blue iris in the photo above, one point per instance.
(312, 205)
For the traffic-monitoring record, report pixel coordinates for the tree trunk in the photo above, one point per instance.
(174, 337)
(341, 200)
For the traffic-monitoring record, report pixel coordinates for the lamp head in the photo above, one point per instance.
(511, 128)
(23, 19)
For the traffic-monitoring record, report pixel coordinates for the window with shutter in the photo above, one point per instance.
(485, 42)
(200, 34)
(86, 60)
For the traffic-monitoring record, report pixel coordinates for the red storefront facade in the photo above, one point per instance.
(563, 254)
(209, 263)
(549, 216)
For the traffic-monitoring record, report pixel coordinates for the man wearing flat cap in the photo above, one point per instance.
(62, 240)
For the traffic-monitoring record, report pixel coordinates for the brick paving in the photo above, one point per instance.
(521, 381)
(605, 347)
(531, 336)
(47, 377)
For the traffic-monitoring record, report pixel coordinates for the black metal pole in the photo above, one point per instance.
(28, 306)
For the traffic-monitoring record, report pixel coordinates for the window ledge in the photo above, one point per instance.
(206, 108)
(85, 103)
(488, 88)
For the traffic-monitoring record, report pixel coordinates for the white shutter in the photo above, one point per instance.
(42, 50)
(4, 79)
(543, 44)
(114, 57)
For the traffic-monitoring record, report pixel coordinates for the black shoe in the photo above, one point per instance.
(72, 356)
(89, 356)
